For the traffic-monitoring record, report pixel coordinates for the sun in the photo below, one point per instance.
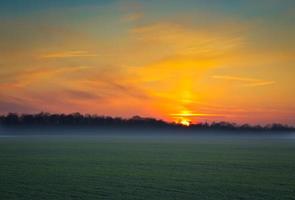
(185, 122)
(183, 118)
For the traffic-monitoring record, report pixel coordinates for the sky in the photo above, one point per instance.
(190, 60)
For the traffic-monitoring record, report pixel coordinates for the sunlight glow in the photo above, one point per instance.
(185, 122)
(186, 117)
(186, 113)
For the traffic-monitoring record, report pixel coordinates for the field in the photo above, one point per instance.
(118, 167)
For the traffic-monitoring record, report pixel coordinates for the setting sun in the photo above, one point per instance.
(185, 122)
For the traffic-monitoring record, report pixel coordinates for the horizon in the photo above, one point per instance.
(21, 116)
(184, 62)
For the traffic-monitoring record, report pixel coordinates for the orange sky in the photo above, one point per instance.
(171, 60)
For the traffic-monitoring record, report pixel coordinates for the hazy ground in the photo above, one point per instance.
(147, 167)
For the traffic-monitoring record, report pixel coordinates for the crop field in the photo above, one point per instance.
(118, 167)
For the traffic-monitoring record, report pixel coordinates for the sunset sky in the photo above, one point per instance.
(199, 60)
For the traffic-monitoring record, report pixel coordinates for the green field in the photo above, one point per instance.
(40, 168)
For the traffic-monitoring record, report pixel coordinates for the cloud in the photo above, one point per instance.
(23, 78)
(78, 94)
(262, 83)
(132, 17)
(81, 88)
(111, 88)
(248, 82)
(68, 54)
(7, 106)
(235, 78)
(196, 115)
(187, 37)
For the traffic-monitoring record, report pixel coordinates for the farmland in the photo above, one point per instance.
(139, 167)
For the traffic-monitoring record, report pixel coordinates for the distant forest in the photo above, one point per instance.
(78, 120)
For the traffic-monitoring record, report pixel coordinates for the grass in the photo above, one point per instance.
(127, 168)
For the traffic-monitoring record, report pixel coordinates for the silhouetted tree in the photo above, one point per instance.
(77, 119)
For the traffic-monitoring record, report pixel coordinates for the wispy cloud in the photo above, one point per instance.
(68, 54)
(23, 78)
(261, 83)
(79, 94)
(196, 115)
(247, 82)
(132, 17)
(7, 106)
(235, 78)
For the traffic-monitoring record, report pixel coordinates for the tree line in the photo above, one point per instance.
(87, 120)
